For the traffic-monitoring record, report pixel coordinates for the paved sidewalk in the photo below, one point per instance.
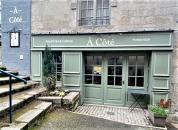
(65, 120)
(118, 114)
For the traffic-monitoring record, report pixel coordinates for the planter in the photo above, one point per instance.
(157, 120)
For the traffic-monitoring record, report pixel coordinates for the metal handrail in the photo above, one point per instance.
(10, 90)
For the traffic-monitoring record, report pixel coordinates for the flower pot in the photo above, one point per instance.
(157, 120)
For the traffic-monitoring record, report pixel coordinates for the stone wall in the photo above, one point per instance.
(59, 16)
(174, 83)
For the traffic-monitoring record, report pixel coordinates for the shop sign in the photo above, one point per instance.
(100, 42)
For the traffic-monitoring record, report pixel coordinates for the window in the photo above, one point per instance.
(93, 69)
(58, 64)
(115, 70)
(136, 71)
(93, 12)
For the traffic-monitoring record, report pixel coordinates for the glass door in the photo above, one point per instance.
(93, 79)
(137, 74)
(114, 90)
(58, 64)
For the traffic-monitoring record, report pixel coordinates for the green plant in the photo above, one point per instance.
(158, 111)
(3, 67)
(49, 78)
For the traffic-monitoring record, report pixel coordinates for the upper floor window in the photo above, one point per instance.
(94, 12)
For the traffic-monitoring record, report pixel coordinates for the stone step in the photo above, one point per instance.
(54, 99)
(19, 99)
(29, 117)
(17, 87)
(70, 98)
(71, 101)
(5, 80)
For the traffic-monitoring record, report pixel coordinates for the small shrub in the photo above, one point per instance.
(49, 78)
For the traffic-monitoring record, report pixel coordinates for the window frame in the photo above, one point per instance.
(94, 14)
(115, 66)
(56, 65)
(145, 65)
(92, 74)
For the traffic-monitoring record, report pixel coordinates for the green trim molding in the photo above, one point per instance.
(96, 41)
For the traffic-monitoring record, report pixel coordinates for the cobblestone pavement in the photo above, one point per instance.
(118, 114)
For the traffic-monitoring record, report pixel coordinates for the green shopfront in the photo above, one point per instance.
(103, 66)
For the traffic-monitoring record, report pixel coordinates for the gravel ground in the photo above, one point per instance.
(64, 120)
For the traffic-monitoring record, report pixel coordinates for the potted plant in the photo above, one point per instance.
(157, 115)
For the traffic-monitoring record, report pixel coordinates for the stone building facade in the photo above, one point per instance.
(144, 30)
(131, 16)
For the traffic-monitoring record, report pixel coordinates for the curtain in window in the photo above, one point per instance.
(86, 12)
(102, 12)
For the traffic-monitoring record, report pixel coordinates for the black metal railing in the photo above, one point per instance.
(10, 90)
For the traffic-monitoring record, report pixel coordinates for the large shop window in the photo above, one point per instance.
(93, 69)
(94, 12)
(136, 71)
(115, 70)
(58, 64)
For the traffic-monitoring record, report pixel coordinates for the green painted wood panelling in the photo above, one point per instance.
(71, 62)
(71, 80)
(114, 96)
(157, 96)
(103, 40)
(160, 76)
(72, 68)
(161, 64)
(160, 83)
(93, 92)
(36, 65)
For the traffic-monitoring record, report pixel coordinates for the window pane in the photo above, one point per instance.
(90, 4)
(88, 79)
(140, 60)
(132, 70)
(118, 81)
(59, 77)
(131, 81)
(111, 70)
(97, 70)
(106, 3)
(110, 80)
(99, 3)
(111, 61)
(59, 69)
(84, 13)
(105, 12)
(97, 79)
(97, 60)
(119, 60)
(140, 70)
(132, 60)
(119, 70)
(140, 81)
(88, 69)
(89, 60)
(83, 4)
